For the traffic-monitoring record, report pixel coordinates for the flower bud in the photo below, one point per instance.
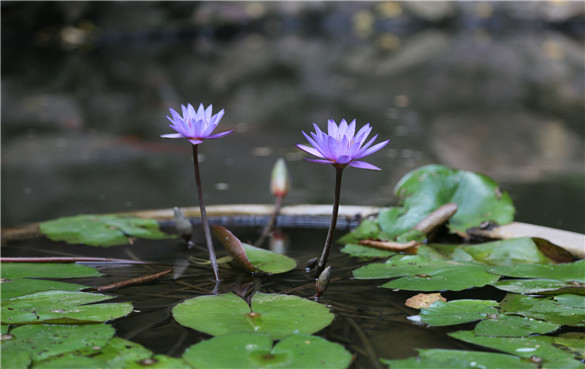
(279, 180)
(182, 224)
(323, 281)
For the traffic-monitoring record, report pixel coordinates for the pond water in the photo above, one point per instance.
(491, 87)
(370, 321)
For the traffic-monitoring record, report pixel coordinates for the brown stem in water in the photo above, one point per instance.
(329, 239)
(268, 228)
(133, 281)
(206, 230)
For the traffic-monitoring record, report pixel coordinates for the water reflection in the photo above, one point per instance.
(490, 87)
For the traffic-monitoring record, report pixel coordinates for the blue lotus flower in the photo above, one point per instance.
(196, 126)
(341, 146)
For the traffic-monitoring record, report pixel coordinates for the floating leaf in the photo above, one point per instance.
(540, 286)
(422, 274)
(426, 189)
(507, 252)
(456, 359)
(61, 307)
(25, 286)
(251, 258)
(526, 347)
(513, 326)
(274, 314)
(269, 261)
(457, 312)
(252, 350)
(569, 272)
(101, 230)
(39, 342)
(119, 353)
(565, 309)
(365, 252)
(47, 270)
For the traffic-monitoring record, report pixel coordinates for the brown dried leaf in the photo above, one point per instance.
(234, 247)
(423, 300)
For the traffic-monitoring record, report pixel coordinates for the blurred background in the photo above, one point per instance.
(491, 87)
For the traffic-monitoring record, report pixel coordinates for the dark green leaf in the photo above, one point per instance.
(426, 189)
(101, 230)
(457, 312)
(274, 314)
(421, 274)
(25, 286)
(507, 252)
(61, 307)
(252, 350)
(565, 309)
(457, 359)
(47, 270)
(513, 326)
(526, 347)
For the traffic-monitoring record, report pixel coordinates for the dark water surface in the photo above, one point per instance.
(492, 87)
(370, 322)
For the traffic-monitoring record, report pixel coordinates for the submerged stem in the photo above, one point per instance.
(206, 230)
(268, 228)
(329, 239)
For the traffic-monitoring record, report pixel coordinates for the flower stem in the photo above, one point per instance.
(206, 230)
(329, 239)
(268, 228)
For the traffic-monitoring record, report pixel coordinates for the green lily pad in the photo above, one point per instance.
(47, 270)
(61, 307)
(365, 252)
(274, 314)
(564, 309)
(525, 347)
(39, 342)
(568, 272)
(540, 286)
(118, 353)
(422, 274)
(458, 359)
(101, 230)
(25, 286)
(250, 258)
(367, 229)
(426, 189)
(513, 326)
(269, 261)
(252, 350)
(507, 252)
(442, 313)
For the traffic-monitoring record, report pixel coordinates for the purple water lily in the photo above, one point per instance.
(341, 146)
(196, 126)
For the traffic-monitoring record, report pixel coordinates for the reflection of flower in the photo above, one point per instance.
(341, 146)
(196, 126)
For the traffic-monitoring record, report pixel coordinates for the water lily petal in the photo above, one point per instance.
(362, 165)
(172, 135)
(218, 135)
(309, 150)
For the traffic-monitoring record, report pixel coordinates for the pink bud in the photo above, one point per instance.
(279, 180)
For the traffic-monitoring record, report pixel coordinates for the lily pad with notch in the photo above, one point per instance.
(251, 258)
(274, 314)
(101, 230)
(421, 274)
(253, 350)
(62, 307)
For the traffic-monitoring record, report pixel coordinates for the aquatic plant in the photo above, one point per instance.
(197, 126)
(340, 147)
